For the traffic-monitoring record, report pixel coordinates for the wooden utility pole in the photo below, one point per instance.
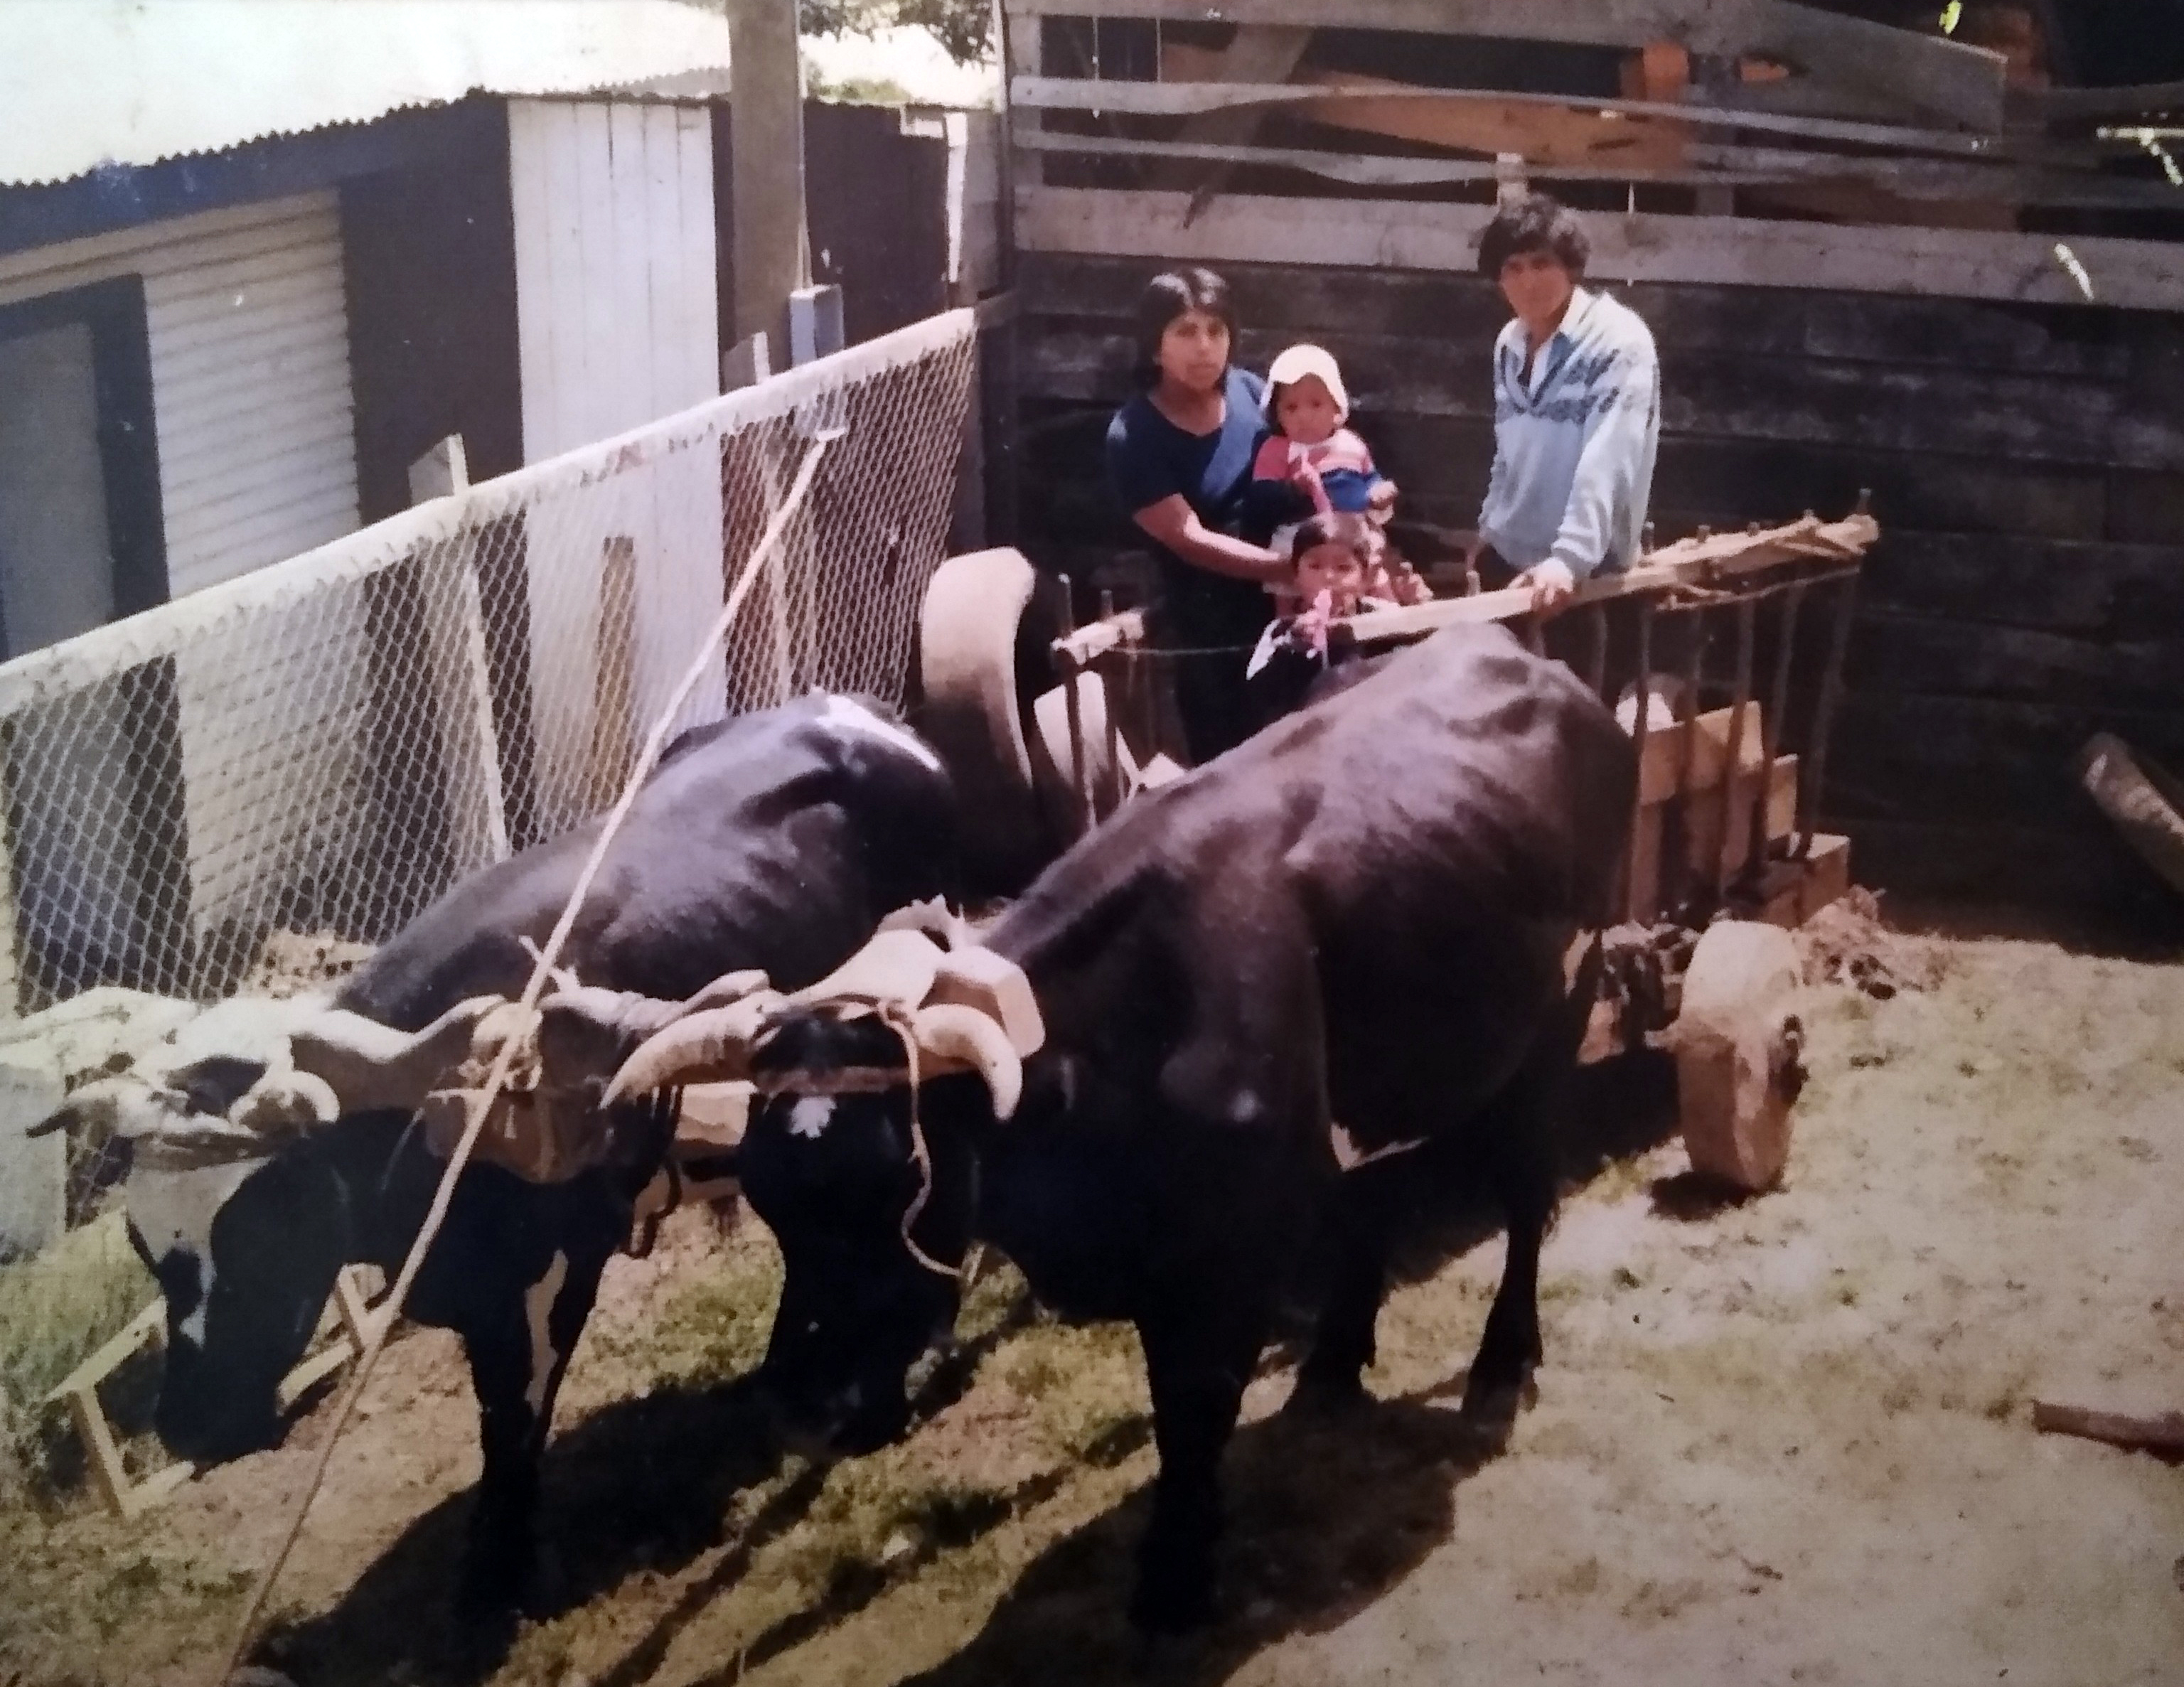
(772, 255)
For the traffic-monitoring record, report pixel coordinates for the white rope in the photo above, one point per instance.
(384, 1315)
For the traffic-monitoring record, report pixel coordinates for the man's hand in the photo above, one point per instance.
(1553, 584)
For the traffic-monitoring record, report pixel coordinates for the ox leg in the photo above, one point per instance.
(1197, 1368)
(1522, 1168)
(1330, 1379)
(516, 1366)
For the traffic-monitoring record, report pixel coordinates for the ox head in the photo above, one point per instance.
(234, 1194)
(871, 1199)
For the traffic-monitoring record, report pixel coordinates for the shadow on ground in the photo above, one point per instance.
(1324, 1516)
(639, 1485)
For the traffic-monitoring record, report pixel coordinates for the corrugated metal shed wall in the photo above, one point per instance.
(249, 343)
(249, 331)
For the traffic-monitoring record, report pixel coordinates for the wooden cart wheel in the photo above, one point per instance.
(970, 632)
(1104, 760)
(1738, 1044)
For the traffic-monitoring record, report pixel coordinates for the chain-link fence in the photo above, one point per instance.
(326, 745)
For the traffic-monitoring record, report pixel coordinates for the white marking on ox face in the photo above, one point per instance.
(538, 1304)
(847, 714)
(174, 1212)
(810, 1115)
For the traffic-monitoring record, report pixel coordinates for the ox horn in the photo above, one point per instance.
(711, 1047)
(962, 1037)
(288, 1100)
(368, 1065)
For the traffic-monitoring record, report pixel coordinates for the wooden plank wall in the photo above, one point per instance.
(2026, 463)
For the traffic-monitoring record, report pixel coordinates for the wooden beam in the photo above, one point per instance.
(460, 674)
(2135, 274)
(2144, 99)
(773, 256)
(1183, 99)
(1260, 53)
(1915, 179)
(1929, 73)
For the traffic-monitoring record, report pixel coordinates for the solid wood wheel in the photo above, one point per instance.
(970, 634)
(1739, 1046)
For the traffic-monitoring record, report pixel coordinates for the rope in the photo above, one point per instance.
(382, 1320)
(897, 1020)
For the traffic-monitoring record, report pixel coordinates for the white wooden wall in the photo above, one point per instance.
(617, 314)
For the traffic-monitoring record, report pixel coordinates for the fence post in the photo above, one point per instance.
(11, 957)
(614, 712)
(461, 679)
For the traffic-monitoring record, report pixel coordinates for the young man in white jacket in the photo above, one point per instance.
(1577, 409)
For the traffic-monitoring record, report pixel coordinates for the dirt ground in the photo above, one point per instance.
(1787, 1441)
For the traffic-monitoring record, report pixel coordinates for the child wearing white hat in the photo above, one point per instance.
(1311, 461)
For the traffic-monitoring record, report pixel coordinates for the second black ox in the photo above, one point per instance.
(1361, 916)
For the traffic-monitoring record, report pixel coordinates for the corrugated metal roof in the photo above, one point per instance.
(90, 82)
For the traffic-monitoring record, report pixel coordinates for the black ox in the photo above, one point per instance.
(1363, 917)
(776, 841)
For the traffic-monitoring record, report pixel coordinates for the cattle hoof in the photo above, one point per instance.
(1491, 1402)
(1322, 1394)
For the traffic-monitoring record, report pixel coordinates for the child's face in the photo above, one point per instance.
(1306, 411)
(1334, 570)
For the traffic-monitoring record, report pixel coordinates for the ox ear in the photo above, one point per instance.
(962, 1039)
(368, 1065)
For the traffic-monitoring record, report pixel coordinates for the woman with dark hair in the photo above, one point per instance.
(1179, 459)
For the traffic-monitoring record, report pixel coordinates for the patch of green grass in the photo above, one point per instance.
(56, 1308)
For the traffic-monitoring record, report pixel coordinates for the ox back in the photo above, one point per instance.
(778, 838)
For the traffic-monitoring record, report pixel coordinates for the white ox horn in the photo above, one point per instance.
(712, 1046)
(953, 1038)
(368, 1065)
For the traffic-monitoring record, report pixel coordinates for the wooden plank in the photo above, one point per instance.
(148, 1324)
(1905, 757)
(2143, 669)
(1184, 99)
(2144, 98)
(1594, 156)
(2074, 592)
(1259, 52)
(1663, 772)
(1964, 83)
(1727, 481)
(2065, 857)
(1939, 263)
(1308, 300)
(460, 676)
(2146, 509)
(1719, 394)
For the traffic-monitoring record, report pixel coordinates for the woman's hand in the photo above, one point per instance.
(1174, 525)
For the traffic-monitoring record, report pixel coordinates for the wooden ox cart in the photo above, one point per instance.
(1722, 654)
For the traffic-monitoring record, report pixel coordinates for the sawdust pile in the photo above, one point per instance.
(1848, 942)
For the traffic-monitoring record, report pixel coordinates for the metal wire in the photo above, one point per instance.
(326, 745)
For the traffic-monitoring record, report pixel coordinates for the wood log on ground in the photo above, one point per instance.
(2144, 804)
(2161, 1434)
